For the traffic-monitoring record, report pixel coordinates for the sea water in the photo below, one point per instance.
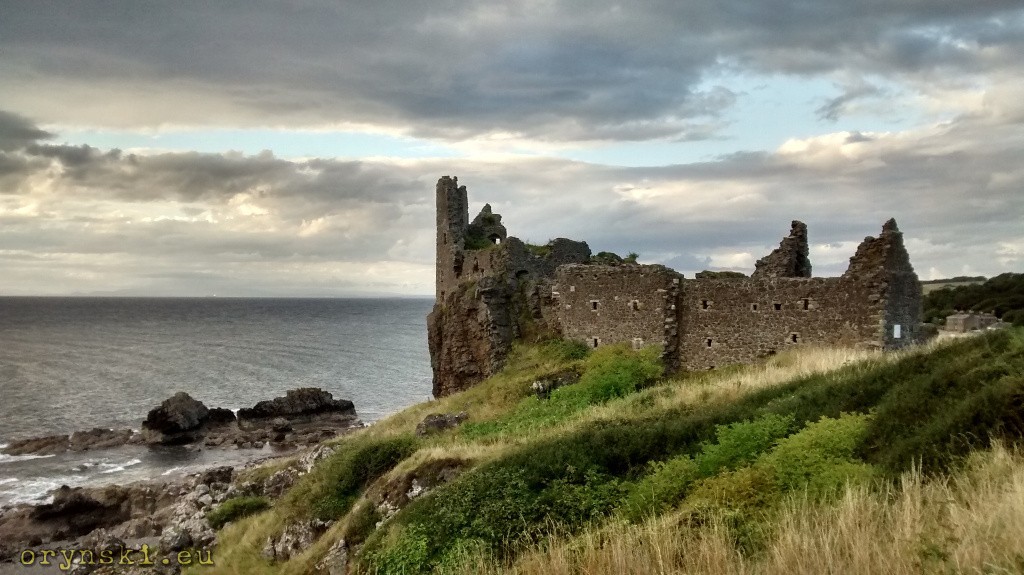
(70, 364)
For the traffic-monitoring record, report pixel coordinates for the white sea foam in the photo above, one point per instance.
(172, 470)
(7, 480)
(4, 458)
(4, 445)
(116, 468)
(35, 490)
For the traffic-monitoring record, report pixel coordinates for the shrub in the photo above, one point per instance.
(741, 443)
(498, 507)
(666, 485)
(566, 349)
(744, 490)
(821, 457)
(615, 371)
(334, 485)
(406, 555)
(609, 373)
(737, 444)
(361, 522)
(236, 508)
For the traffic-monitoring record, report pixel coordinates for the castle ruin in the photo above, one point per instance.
(493, 289)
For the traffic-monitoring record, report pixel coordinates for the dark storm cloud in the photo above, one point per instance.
(551, 71)
(16, 132)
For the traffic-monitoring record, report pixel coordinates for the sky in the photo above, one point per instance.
(248, 148)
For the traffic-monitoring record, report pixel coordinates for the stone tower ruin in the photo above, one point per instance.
(493, 289)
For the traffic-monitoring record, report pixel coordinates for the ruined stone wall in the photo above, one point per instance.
(490, 296)
(604, 305)
(790, 259)
(452, 220)
(486, 297)
(882, 267)
(727, 321)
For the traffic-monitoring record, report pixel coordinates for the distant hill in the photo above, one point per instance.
(929, 286)
(1002, 295)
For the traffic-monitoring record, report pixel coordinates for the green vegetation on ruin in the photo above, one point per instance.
(726, 467)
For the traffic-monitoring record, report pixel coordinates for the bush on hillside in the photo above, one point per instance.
(236, 508)
(609, 372)
(329, 491)
(928, 409)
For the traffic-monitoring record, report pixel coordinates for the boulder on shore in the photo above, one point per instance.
(96, 438)
(305, 401)
(176, 421)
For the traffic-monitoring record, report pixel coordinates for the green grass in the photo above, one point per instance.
(608, 373)
(611, 445)
(236, 509)
(331, 489)
(928, 409)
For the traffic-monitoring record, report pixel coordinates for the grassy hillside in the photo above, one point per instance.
(817, 458)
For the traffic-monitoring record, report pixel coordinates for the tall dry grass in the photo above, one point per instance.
(969, 522)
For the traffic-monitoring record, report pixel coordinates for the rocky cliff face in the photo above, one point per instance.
(464, 337)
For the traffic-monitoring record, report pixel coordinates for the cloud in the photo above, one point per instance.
(17, 131)
(547, 71)
(78, 218)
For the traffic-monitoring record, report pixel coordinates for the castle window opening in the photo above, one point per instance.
(638, 342)
(495, 239)
(777, 306)
(794, 337)
(753, 307)
(635, 305)
(595, 341)
(806, 303)
(708, 342)
(593, 305)
(705, 304)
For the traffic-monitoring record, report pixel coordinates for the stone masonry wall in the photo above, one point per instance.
(603, 305)
(882, 267)
(488, 297)
(727, 321)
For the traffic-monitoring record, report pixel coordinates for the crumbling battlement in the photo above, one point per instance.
(489, 287)
(499, 289)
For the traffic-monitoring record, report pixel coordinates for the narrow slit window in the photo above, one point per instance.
(794, 337)
(634, 305)
(806, 303)
(777, 306)
(753, 307)
(595, 341)
(708, 342)
(593, 305)
(705, 304)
